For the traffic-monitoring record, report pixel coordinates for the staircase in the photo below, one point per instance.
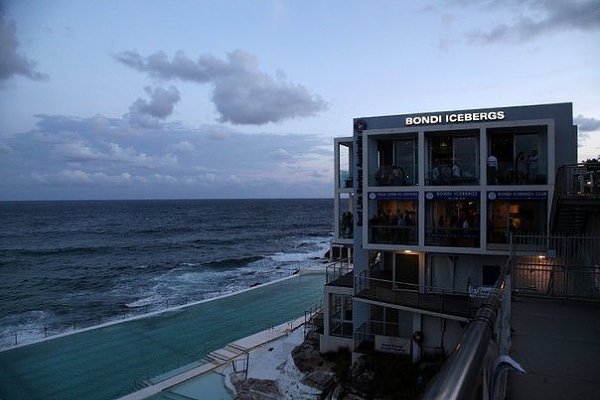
(576, 202)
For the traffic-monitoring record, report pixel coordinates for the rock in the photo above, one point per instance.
(256, 389)
(307, 358)
(320, 379)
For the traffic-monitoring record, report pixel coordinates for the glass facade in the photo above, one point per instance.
(393, 220)
(346, 216)
(340, 315)
(345, 165)
(453, 158)
(452, 219)
(517, 156)
(396, 163)
(516, 216)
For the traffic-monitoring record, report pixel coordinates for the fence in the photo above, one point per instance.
(557, 266)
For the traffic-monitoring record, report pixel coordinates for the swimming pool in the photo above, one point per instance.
(110, 361)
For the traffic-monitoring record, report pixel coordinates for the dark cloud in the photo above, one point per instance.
(11, 61)
(539, 17)
(586, 124)
(147, 114)
(242, 93)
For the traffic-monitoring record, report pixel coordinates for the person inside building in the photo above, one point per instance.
(492, 170)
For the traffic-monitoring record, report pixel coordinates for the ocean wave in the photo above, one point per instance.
(232, 262)
(57, 251)
(145, 301)
(27, 326)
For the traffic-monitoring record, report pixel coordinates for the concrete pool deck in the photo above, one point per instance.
(109, 361)
(220, 358)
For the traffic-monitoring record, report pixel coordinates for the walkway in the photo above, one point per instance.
(558, 344)
(105, 363)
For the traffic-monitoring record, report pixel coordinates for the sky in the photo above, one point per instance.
(242, 99)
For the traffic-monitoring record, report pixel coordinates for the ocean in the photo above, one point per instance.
(74, 264)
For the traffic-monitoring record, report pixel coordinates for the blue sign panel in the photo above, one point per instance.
(514, 195)
(453, 195)
(393, 195)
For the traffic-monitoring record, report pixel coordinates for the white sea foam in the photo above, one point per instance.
(28, 326)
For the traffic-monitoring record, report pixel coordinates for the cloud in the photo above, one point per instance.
(147, 114)
(69, 158)
(540, 17)
(98, 124)
(79, 177)
(181, 147)
(586, 124)
(11, 61)
(242, 94)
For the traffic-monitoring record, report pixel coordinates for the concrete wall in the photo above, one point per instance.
(438, 338)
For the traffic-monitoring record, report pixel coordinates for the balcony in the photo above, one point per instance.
(452, 237)
(407, 295)
(392, 234)
(340, 273)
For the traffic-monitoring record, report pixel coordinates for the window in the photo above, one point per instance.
(345, 165)
(520, 156)
(519, 213)
(346, 216)
(453, 158)
(340, 315)
(393, 217)
(452, 219)
(396, 162)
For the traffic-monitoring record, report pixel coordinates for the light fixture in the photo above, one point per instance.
(542, 257)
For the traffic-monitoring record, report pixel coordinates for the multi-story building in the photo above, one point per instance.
(425, 205)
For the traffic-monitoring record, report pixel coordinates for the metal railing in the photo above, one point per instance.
(430, 298)
(476, 353)
(393, 234)
(578, 180)
(338, 269)
(363, 336)
(557, 281)
(557, 266)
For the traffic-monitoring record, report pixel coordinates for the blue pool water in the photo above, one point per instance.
(106, 363)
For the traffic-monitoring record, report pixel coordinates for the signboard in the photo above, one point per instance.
(453, 195)
(480, 291)
(393, 195)
(396, 345)
(453, 118)
(518, 195)
(359, 179)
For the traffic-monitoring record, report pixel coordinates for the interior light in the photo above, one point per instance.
(408, 251)
(541, 257)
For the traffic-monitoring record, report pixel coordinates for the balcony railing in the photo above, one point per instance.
(428, 298)
(339, 326)
(392, 234)
(364, 336)
(453, 237)
(364, 340)
(339, 273)
(578, 180)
